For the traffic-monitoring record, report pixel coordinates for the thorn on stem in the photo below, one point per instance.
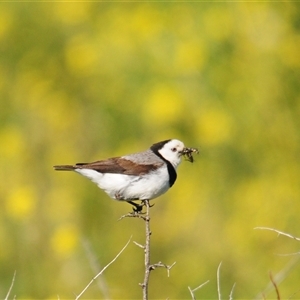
(139, 245)
(162, 265)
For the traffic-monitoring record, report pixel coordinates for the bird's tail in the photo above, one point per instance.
(64, 168)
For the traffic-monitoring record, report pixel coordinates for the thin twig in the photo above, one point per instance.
(279, 232)
(161, 265)
(279, 277)
(133, 214)
(231, 292)
(218, 281)
(95, 268)
(148, 267)
(139, 245)
(95, 277)
(146, 217)
(11, 286)
(147, 264)
(197, 288)
(284, 234)
(275, 285)
(146, 247)
(145, 284)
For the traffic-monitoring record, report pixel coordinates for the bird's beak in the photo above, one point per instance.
(188, 153)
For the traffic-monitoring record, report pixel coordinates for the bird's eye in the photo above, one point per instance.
(174, 149)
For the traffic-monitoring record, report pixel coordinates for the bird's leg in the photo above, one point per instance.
(144, 203)
(138, 207)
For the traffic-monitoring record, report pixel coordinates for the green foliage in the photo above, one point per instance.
(85, 81)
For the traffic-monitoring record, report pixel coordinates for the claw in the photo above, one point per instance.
(151, 205)
(139, 207)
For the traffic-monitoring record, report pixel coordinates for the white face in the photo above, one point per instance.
(171, 151)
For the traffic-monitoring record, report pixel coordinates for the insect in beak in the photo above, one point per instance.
(188, 153)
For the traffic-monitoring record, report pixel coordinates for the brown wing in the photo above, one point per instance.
(119, 165)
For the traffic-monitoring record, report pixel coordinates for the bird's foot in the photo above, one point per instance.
(144, 202)
(139, 207)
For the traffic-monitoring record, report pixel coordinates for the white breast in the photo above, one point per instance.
(128, 187)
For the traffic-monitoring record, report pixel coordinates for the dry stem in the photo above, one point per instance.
(218, 281)
(148, 266)
(96, 268)
(11, 286)
(95, 277)
(231, 292)
(197, 288)
(280, 276)
(275, 286)
(279, 232)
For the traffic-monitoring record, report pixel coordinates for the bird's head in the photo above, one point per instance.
(172, 150)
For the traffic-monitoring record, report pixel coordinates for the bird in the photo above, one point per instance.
(138, 176)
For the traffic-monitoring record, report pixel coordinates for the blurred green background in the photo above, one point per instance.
(86, 81)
